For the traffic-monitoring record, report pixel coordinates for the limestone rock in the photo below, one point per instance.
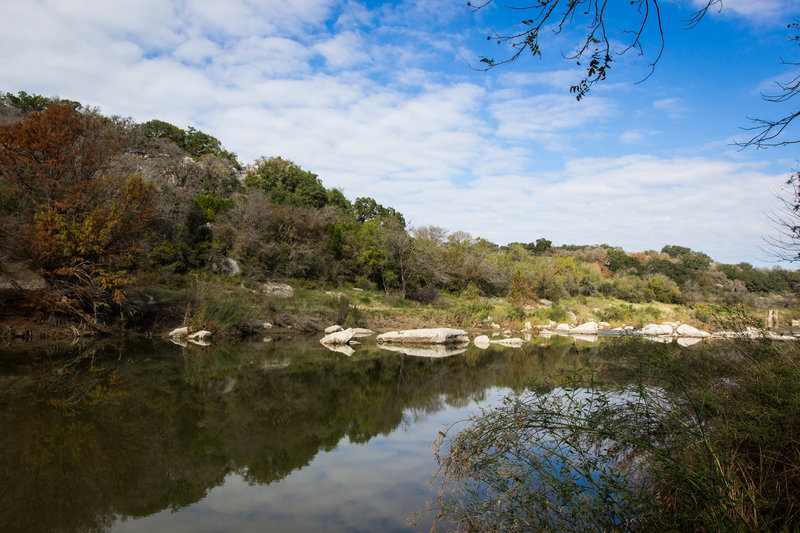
(563, 327)
(277, 289)
(333, 329)
(589, 328)
(685, 330)
(362, 332)
(482, 342)
(425, 336)
(656, 330)
(225, 266)
(338, 338)
(179, 332)
(201, 335)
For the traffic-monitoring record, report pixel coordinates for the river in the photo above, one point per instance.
(277, 436)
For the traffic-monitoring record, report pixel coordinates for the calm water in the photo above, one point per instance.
(278, 436)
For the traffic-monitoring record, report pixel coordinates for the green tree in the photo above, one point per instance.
(286, 183)
(366, 208)
(29, 103)
(519, 291)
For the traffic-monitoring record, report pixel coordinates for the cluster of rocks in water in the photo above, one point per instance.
(440, 342)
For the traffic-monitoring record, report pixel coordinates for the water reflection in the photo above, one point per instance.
(283, 435)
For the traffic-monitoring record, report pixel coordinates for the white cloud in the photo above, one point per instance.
(673, 107)
(343, 50)
(544, 118)
(636, 135)
(755, 10)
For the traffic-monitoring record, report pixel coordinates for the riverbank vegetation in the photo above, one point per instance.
(106, 222)
(658, 439)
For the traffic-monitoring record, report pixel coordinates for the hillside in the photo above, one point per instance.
(108, 222)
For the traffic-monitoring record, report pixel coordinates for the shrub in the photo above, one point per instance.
(556, 313)
(696, 442)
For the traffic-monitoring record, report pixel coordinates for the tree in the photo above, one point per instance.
(194, 141)
(596, 48)
(286, 183)
(78, 217)
(366, 208)
(519, 291)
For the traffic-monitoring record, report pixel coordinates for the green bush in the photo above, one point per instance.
(556, 313)
(516, 313)
(466, 313)
(345, 313)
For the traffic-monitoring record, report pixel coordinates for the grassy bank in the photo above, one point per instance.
(656, 439)
(227, 305)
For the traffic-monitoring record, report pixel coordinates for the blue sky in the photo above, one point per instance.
(379, 99)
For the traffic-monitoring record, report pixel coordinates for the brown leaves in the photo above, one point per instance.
(79, 217)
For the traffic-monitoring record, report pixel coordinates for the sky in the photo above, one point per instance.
(383, 99)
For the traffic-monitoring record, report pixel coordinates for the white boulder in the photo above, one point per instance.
(685, 330)
(362, 332)
(482, 341)
(338, 338)
(179, 332)
(656, 330)
(424, 336)
(201, 335)
(589, 328)
(333, 329)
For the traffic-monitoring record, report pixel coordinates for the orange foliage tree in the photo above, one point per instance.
(76, 215)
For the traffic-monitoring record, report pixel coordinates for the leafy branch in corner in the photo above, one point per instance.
(596, 47)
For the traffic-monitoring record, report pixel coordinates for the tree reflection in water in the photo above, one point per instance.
(94, 434)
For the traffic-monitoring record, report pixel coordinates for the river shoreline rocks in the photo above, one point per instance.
(441, 342)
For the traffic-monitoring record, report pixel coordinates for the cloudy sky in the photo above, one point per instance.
(379, 99)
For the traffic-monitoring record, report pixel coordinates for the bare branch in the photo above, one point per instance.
(785, 244)
(767, 132)
(595, 46)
